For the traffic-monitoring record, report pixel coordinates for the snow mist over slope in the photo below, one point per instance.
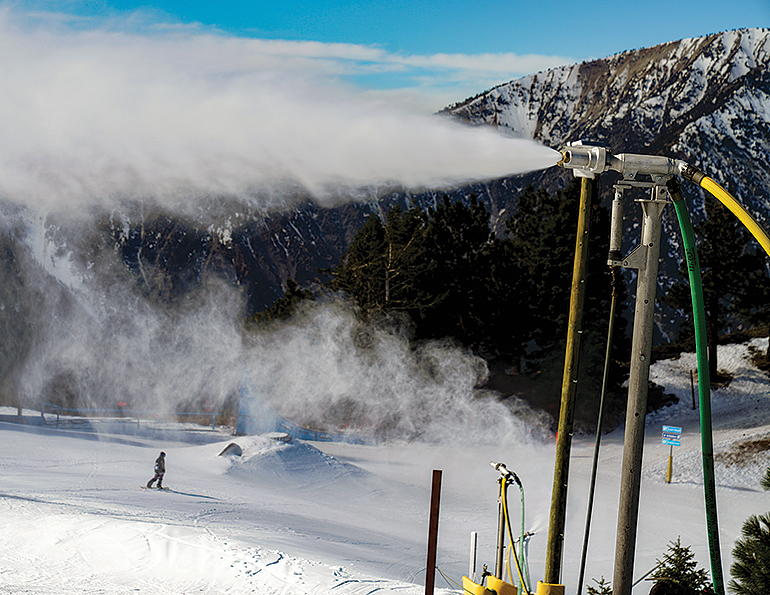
(126, 143)
(344, 519)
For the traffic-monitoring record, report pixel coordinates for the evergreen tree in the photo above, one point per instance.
(361, 274)
(455, 241)
(604, 587)
(440, 267)
(751, 558)
(753, 302)
(679, 566)
(405, 261)
(543, 233)
(286, 305)
(765, 482)
(498, 296)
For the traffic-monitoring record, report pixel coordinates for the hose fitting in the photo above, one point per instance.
(505, 472)
(693, 174)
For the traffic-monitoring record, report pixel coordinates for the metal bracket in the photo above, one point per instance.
(637, 258)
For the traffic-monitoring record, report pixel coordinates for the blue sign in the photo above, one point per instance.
(672, 435)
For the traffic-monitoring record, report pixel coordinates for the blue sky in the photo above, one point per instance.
(432, 52)
(435, 52)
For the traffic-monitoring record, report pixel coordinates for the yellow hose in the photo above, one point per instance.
(507, 521)
(738, 210)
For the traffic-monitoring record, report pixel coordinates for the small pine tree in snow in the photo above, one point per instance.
(751, 558)
(679, 566)
(765, 482)
(604, 587)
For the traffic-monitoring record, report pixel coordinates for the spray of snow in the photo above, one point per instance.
(102, 114)
(111, 123)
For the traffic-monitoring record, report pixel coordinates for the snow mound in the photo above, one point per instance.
(294, 463)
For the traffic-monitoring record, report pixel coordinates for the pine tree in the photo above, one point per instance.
(604, 588)
(456, 239)
(765, 481)
(361, 274)
(286, 305)
(753, 302)
(751, 558)
(679, 566)
(542, 235)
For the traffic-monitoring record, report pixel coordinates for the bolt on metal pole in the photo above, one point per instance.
(645, 259)
(555, 543)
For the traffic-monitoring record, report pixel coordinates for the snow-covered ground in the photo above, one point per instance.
(306, 518)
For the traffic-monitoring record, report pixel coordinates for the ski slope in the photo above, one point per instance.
(332, 518)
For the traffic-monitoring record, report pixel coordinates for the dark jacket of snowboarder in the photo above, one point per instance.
(160, 470)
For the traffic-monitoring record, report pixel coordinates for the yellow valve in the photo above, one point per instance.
(472, 588)
(549, 589)
(500, 586)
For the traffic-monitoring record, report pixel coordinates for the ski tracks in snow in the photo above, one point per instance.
(44, 551)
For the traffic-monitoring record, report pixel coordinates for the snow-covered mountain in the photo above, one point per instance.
(705, 100)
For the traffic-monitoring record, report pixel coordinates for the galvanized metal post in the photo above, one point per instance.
(645, 259)
(557, 519)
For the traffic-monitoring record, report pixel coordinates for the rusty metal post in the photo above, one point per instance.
(435, 498)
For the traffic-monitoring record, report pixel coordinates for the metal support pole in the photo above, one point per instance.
(435, 498)
(645, 259)
(500, 553)
(557, 519)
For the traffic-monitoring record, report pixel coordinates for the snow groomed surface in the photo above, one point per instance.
(336, 518)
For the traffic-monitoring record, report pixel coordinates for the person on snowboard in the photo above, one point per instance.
(160, 469)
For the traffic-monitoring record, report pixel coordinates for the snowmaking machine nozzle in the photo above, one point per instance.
(588, 160)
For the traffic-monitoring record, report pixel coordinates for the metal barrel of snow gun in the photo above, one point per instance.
(589, 160)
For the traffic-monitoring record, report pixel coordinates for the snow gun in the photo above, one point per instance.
(587, 161)
(496, 583)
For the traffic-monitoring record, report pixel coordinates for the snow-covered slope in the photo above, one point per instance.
(348, 519)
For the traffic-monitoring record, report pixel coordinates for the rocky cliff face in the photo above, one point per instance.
(665, 99)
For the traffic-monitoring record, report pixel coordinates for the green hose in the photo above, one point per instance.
(707, 445)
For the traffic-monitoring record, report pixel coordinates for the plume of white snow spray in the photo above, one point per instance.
(106, 119)
(100, 114)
